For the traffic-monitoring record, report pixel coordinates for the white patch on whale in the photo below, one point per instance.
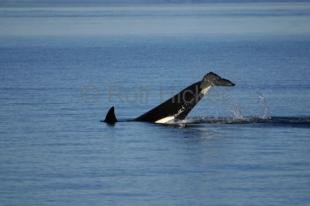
(170, 119)
(205, 90)
(165, 120)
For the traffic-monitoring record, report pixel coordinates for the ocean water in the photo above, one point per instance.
(61, 69)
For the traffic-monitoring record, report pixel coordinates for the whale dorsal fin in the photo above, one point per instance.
(110, 118)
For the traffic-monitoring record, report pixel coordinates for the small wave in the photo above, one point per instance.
(272, 121)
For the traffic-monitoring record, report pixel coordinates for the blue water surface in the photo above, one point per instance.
(61, 68)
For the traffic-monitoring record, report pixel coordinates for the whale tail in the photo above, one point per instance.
(110, 118)
(178, 106)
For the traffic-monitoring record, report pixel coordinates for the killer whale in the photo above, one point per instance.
(178, 106)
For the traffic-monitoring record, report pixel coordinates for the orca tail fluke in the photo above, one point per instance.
(110, 118)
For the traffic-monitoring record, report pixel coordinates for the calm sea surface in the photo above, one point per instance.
(61, 68)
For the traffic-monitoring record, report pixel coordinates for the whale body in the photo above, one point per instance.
(178, 106)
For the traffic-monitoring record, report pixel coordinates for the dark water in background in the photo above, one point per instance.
(62, 68)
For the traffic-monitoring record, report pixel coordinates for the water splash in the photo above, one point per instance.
(237, 114)
(266, 110)
(303, 122)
